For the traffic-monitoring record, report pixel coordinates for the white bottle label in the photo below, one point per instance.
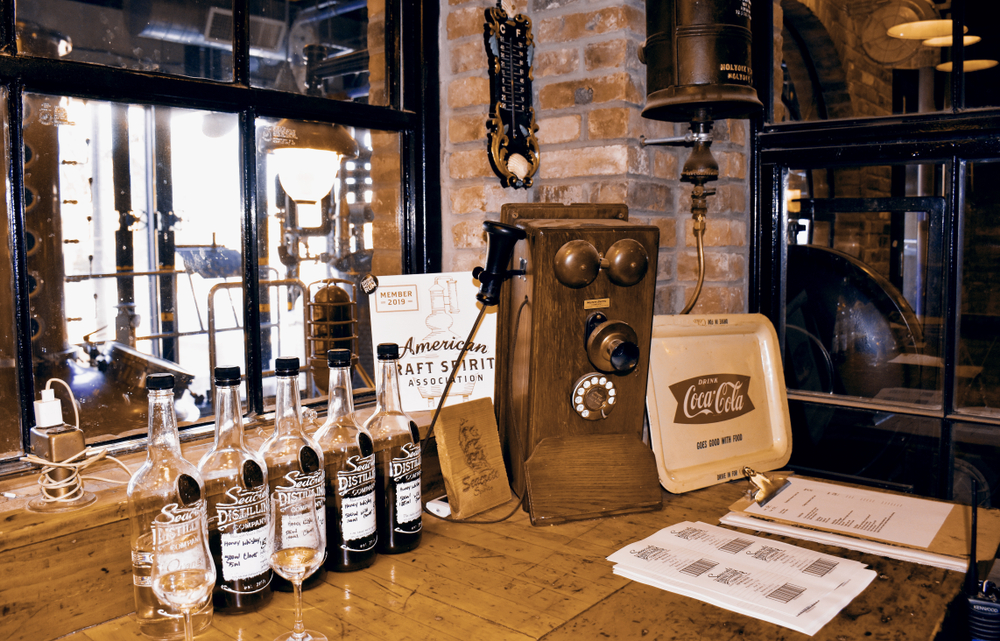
(356, 487)
(298, 486)
(405, 471)
(408, 501)
(243, 529)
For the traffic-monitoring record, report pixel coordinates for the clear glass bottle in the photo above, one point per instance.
(350, 474)
(238, 508)
(294, 460)
(165, 487)
(398, 501)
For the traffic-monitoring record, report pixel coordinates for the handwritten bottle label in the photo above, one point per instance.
(405, 473)
(356, 487)
(243, 529)
(297, 486)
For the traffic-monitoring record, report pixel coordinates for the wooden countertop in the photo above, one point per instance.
(514, 581)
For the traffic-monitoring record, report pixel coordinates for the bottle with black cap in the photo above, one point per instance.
(166, 487)
(294, 460)
(238, 507)
(398, 501)
(350, 474)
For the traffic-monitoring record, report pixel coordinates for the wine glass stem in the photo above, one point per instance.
(188, 632)
(299, 630)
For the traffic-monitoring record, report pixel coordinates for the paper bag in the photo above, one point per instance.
(471, 460)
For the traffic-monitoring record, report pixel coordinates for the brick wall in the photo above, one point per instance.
(589, 90)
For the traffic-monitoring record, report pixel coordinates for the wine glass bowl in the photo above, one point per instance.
(183, 572)
(184, 588)
(297, 550)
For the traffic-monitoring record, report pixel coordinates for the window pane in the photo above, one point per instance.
(977, 456)
(868, 447)
(978, 375)
(10, 421)
(332, 49)
(133, 225)
(330, 211)
(864, 297)
(183, 37)
(840, 61)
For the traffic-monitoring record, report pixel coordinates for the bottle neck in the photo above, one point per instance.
(387, 388)
(340, 394)
(163, 438)
(228, 417)
(287, 411)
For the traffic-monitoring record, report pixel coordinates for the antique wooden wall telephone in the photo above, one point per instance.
(572, 356)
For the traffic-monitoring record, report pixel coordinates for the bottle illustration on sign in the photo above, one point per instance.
(444, 303)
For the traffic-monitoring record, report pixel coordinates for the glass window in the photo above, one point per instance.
(156, 232)
(331, 49)
(894, 450)
(10, 420)
(864, 307)
(839, 61)
(977, 456)
(133, 218)
(328, 192)
(183, 37)
(978, 376)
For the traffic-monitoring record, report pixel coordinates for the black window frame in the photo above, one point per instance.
(413, 96)
(953, 137)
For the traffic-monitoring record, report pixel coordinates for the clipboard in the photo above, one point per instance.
(948, 549)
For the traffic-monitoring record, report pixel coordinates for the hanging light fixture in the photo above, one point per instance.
(968, 65)
(923, 29)
(946, 41)
(307, 158)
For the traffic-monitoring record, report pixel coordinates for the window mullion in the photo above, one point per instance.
(954, 214)
(22, 312)
(241, 43)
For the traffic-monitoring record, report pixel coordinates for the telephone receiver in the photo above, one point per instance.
(501, 239)
(611, 344)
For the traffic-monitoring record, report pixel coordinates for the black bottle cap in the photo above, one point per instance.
(388, 351)
(227, 376)
(286, 366)
(160, 381)
(338, 358)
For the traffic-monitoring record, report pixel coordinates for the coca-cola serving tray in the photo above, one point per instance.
(716, 399)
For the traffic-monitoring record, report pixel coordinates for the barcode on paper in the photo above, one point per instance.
(786, 593)
(699, 567)
(820, 567)
(736, 546)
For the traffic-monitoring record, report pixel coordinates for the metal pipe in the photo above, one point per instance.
(159, 272)
(124, 245)
(699, 233)
(687, 138)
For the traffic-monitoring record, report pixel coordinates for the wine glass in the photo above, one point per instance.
(298, 547)
(183, 572)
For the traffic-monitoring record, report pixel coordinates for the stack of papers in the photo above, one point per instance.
(762, 578)
(901, 527)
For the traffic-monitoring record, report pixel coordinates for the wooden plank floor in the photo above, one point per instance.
(513, 581)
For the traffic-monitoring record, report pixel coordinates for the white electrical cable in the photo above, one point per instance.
(55, 491)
